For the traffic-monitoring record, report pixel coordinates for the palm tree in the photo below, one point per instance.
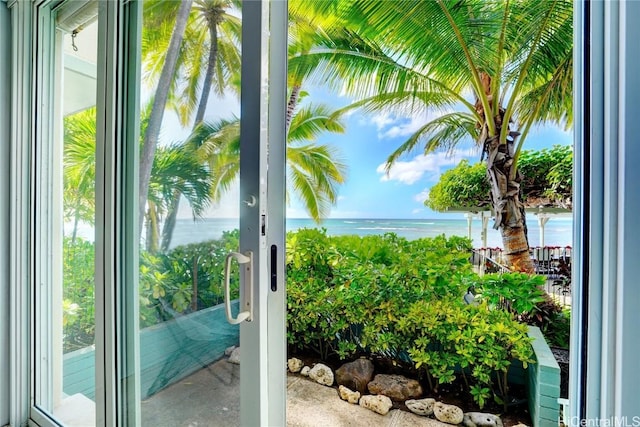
(211, 43)
(79, 164)
(314, 170)
(214, 15)
(161, 95)
(216, 145)
(492, 70)
(175, 168)
(208, 57)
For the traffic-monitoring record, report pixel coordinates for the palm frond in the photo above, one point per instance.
(311, 121)
(445, 131)
(315, 172)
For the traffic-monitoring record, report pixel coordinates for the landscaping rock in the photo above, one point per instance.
(349, 395)
(450, 414)
(305, 371)
(321, 374)
(380, 404)
(355, 375)
(397, 387)
(235, 356)
(479, 419)
(294, 365)
(422, 407)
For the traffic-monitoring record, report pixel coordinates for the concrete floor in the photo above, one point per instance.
(209, 398)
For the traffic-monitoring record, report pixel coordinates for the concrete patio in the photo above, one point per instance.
(210, 398)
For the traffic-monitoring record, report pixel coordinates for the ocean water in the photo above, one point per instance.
(558, 231)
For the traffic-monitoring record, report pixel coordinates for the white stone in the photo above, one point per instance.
(450, 414)
(480, 419)
(294, 365)
(321, 374)
(349, 395)
(305, 371)
(235, 356)
(422, 407)
(229, 350)
(378, 403)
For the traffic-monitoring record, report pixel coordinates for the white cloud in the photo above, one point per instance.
(409, 172)
(405, 128)
(382, 120)
(417, 211)
(422, 196)
(342, 198)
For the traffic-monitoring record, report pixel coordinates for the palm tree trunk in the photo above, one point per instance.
(159, 103)
(170, 222)
(76, 221)
(152, 229)
(509, 211)
(291, 106)
(211, 66)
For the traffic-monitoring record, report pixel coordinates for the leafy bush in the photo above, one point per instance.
(557, 330)
(546, 173)
(464, 186)
(167, 285)
(384, 295)
(78, 308)
(475, 340)
(518, 293)
(188, 278)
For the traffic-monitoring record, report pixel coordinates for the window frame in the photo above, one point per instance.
(115, 70)
(603, 41)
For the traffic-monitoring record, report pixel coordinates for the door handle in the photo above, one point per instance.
(245, 261)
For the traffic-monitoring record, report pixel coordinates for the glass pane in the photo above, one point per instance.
(66, 187)
(189, 213)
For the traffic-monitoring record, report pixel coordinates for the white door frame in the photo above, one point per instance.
(603, 365)
(262, 168)
(263, 383)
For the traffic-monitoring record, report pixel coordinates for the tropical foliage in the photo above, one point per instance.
(79, 162)
(384, 296)
(381, 296)
(547, 182)
(484, 71)
(464, 186)
(199, 50)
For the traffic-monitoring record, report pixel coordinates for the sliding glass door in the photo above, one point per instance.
(157, 213)
(64, 224)
(206, 228)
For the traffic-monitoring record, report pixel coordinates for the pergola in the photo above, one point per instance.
(543, 214)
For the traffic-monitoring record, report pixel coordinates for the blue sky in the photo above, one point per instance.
(369, 139)
(367, 142)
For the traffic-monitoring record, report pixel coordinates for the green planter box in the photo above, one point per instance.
(543, 383)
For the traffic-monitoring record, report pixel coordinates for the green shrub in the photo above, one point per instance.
(188, 278)
(387, 296)
(557, 329)
(518, 293)
(78, 308)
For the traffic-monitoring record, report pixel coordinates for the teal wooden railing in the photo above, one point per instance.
(169, 351)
